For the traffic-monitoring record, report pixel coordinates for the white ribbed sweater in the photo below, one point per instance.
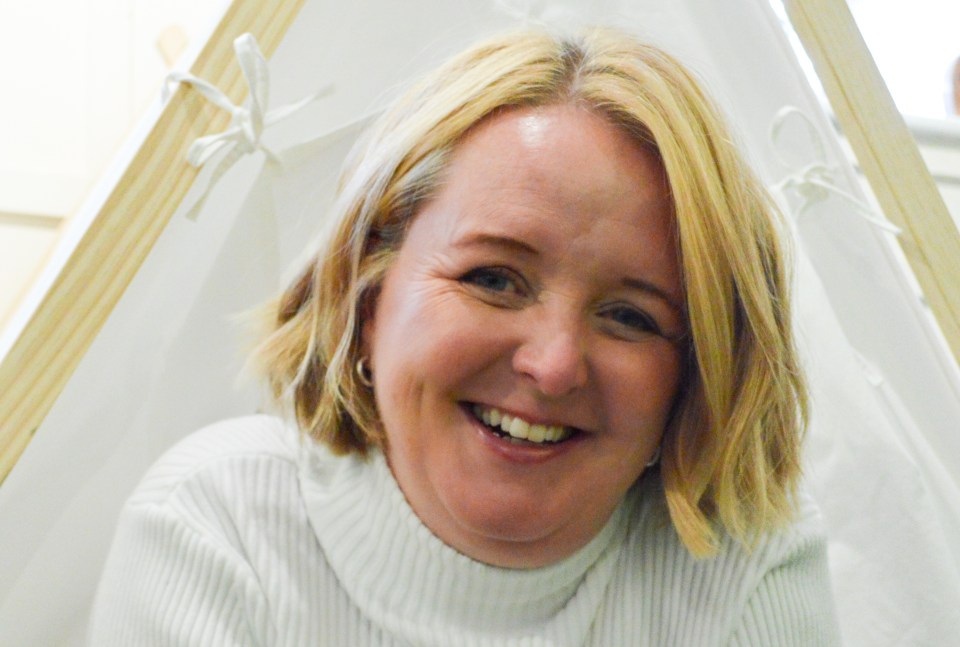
(243, 535)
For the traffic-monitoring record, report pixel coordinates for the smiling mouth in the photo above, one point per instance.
(518, 430)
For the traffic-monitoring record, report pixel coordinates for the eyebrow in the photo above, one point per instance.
(496, 240)
(653, 289)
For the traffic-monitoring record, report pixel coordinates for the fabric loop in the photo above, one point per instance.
(247, 122)
(816, 181)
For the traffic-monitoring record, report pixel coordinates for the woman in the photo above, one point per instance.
(544, 386)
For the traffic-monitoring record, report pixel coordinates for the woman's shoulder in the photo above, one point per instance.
(800, 543)
(197, 542)
(779, 580)
(804, 532)
(214, 454)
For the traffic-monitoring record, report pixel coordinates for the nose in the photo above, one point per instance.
(553, 355)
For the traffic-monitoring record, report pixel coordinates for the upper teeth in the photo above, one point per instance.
(520, 428)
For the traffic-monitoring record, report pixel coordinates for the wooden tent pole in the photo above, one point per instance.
(887, 153)
(47, 352)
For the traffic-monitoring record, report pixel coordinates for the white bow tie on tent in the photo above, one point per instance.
(816, 181)
(247, 123)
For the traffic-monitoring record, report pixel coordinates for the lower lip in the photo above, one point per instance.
(526, 453)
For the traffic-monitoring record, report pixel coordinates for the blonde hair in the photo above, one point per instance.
(730, 455)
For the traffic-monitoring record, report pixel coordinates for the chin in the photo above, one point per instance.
(512, 530)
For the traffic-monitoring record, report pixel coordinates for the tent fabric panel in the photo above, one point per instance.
(887, 153)
(112, 249)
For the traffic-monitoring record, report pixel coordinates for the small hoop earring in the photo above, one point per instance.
(655, 458)
(364, 373)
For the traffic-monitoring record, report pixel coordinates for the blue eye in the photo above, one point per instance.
(497, 285)
(491, 279)
(632, 318)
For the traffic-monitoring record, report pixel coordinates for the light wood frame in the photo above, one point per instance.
(107, 257)
(887, 152)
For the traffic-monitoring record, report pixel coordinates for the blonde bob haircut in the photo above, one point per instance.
(730, 455)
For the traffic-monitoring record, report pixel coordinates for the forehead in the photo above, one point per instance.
(555, 162)
(594, 157)
(565, 180)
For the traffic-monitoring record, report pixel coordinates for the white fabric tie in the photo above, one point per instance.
(816, 181)
(247, 123)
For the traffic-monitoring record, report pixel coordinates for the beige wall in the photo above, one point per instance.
(76, 77)
(25, 243)
(943, 160)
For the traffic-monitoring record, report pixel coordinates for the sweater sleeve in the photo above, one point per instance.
(792, 606)
(167, 584)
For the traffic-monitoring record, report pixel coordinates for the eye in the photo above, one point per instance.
(497, 283)
(630, 320)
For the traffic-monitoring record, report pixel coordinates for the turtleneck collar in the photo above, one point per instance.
(415, 587)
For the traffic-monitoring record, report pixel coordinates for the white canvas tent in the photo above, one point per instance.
(130, 341)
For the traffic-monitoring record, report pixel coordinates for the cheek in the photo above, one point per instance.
(645, 386)
(426, 343)
(422, 328)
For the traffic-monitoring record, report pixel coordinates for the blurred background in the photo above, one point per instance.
(79, 74)
(76, 76)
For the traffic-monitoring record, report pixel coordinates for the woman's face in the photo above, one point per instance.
(539, 284)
